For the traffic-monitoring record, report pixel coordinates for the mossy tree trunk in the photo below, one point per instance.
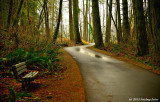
(86, 21)
(97, 25)
(40, 17)
(75, 17)
(84, 24)
(134, 13)
(155, 26)
(15, 24)
(119, 34)
(70, 21)
(108, 26)
(46, 18)
(53, 14)
(89, 22)
(10, 13)
(126, 26)
(141, 35)
(58, 23)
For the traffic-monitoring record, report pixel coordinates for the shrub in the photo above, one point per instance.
(41, 58)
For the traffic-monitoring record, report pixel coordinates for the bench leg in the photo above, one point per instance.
(23, 85)
(27, 83)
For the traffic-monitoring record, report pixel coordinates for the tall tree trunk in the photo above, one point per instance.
(76, 27)
(71, 21)
(97, 24)
(126, 26)
(142, 42)
(40, 17)
(27, 4)
(61, 26)
(80, 25)
(103, 19)
(134, 13)
(15, 24)
(89, 23)
(58, 23)
(116, 15)
(119, 34)
(53, 1)
(84, 24)
(86, 21)
(106, 11)
(149, 26)
(155, 26)
(46, 18)
(108, 27)
(10, 13)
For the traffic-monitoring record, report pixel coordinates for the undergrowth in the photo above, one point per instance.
(130, 51)
(35, 49)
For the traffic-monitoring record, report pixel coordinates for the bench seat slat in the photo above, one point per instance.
(31, 75)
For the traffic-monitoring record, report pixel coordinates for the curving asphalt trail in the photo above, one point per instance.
(110, 80)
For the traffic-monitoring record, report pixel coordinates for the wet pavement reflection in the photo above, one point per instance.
(110, 80)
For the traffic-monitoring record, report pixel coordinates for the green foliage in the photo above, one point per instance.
(41, 58)
(91, 31)
(23, 94)
(116, 47)
(15, 56)
(79, 10)
(129, 51)
(36, 98)
(49, 97)
(13, 96)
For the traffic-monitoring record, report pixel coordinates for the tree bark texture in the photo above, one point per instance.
(126, 26)
(108, 26)
(58, 23)
(155, 26)
(86, 21)
(76, 26)
(10, 13)
(84, 24)
(46, 18)
(141, 35)
(40, 17)
(15, 23)
(71, 21)
(97, 25)
(119, 33)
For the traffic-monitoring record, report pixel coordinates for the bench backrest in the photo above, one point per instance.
(19, 69)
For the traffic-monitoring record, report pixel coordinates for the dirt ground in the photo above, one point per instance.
(67, 87)
(63, 86)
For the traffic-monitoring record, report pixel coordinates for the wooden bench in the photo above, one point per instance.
(21, 74)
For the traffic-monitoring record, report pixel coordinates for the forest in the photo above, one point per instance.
(36, 31)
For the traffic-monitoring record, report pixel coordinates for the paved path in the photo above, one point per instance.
(110, 80)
